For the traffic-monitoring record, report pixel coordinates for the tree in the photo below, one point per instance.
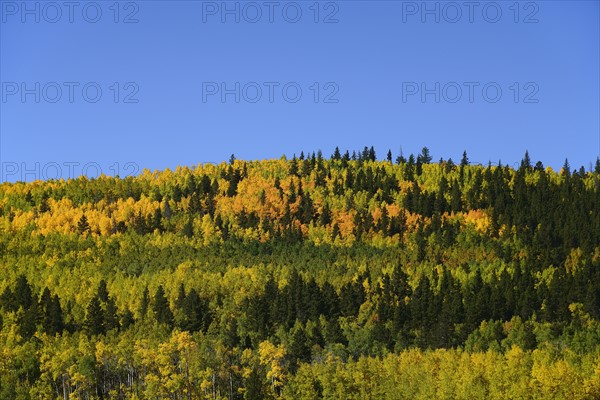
(83, 226)
(143, 310)
(160, 307)
(94, 318)
(371, 155)
(566, 169)
(455, 198)
(52, 316)
(102, 291)
(23, 297)
(188, 229)
(526, 161)
(465, 160)
(111, 316)
(425, 156)
(336, 154)
(299, 351)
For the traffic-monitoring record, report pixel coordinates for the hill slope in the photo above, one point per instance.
(345, 277)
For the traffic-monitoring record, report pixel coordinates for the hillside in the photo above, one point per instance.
(304, 278)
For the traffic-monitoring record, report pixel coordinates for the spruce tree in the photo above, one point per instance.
(111, 317)
(22, 294)
(143, 310)
(160, 307)
(94, 318)
(83, 226)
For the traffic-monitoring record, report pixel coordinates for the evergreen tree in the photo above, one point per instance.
(188, 229)
(127, 319)
(111, 319)
(7, 300)
(465, 160)
(22, 294)
(526, 162)
(94, 318)
(143, 310)
(566, 169)
(102, 291)
(160, 307)
(336, 154)
(425, 156)
(83, 226)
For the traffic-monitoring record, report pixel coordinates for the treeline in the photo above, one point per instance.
(277, 278)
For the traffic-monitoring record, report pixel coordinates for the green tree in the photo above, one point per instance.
(160, 307)
(94, 318)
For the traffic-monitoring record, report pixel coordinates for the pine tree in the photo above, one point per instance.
(196, 313)
(94, 318)
(325, 216)
(127, 319)
(371, 155)
(111, 320)
(143, 310)
(102, 291)
(180, 297)
(455, 198)
(52, 318)
(188, 229)
(160, 307)
(566, 169)
(83, 226)
(336, 154)
(526, 162)
(425, 156)
(22, 294)
(7, 300)
(299, 351)
(465, 160)
(56, 320)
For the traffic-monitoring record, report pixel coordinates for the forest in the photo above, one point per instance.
(312, 277)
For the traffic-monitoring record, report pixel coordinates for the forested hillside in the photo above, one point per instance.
(342, 277)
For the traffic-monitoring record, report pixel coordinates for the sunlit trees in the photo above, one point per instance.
(303, 278)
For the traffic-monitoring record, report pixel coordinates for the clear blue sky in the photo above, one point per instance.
(370, 67)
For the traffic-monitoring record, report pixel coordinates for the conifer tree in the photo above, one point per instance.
(94, 318)
(160, 307)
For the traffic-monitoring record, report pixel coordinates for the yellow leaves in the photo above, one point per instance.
(591, 384)
(554, 379)
(573, 260)
(210, 233)
(478, 219)
(345, 222)
(167, 364)
(455, 374)
(272, 357)
(22, 219)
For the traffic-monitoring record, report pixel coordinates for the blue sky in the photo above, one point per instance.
(492, 78)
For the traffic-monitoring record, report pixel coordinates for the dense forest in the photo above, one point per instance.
(312, 277)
